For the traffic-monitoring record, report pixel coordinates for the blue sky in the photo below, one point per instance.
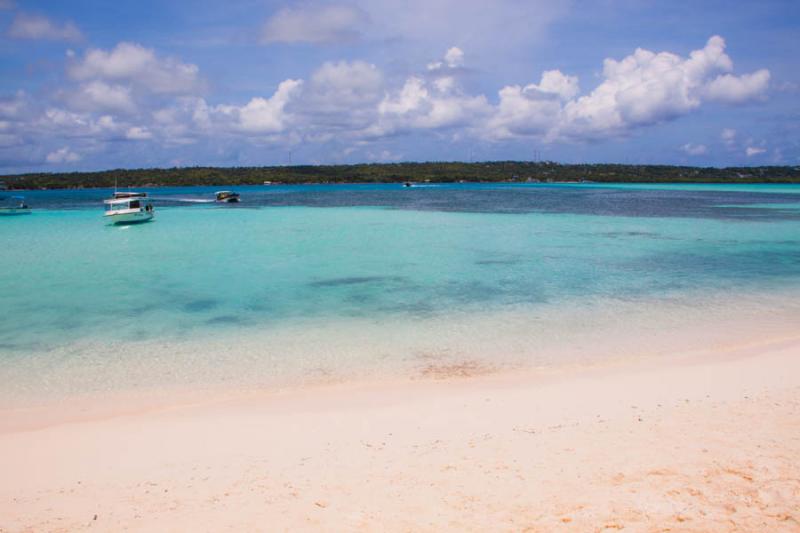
(89, 84)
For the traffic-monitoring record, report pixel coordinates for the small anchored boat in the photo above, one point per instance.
(15, 205)
(227, 196)
(129, 208)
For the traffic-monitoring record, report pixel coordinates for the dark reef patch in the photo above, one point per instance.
(200, 305)
(355, 280)
(224, 319)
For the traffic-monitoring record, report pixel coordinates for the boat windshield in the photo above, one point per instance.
(133, 203)
(117, 206)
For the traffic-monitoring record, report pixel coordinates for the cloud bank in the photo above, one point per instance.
(132, 93)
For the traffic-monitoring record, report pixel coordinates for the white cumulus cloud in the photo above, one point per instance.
(639, 90)
(646, 88)
(534, 109)
(434, 102)
(732, 89)
(418, 106)
(137, 65)
(754, 150)
(100, 96)
(695, 149)
(262, 115)
(453, 59)
(138, 133)
(341, 96)
(62, 155)
(345, 85)
(184, 120)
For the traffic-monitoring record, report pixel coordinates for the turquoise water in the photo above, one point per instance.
(294, 271)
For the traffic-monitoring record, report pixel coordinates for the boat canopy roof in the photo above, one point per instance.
(121, 201)
(121, 195)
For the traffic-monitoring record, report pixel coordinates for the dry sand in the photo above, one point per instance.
(706, 443)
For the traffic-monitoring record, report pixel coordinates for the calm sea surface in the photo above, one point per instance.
(326, 280)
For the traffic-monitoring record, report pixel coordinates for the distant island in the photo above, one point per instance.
(435, 172)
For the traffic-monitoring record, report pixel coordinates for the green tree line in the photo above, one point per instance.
(442, 172)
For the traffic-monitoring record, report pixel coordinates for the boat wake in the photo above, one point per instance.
(183, 200)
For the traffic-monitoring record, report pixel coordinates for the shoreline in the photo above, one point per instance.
(96, 406)
(691, 443)
(508, 347)
(324, 349)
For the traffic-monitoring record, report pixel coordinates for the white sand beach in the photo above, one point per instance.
(703, 443)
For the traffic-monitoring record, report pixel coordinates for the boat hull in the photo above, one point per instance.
(227, 197)
(11, 211)
(130, 218)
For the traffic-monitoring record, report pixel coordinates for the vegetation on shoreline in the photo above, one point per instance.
(490, 171)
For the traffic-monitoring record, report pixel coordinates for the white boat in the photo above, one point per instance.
(129, 208)
(227, 196)
(15, 206)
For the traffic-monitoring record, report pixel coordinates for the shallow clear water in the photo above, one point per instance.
(291, 262)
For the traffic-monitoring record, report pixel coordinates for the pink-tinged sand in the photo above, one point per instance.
(706, 443)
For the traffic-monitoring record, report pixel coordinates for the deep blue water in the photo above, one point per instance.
(771, 201)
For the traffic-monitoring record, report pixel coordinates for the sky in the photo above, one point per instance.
(93, 85)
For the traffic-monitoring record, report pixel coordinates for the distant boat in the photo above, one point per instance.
(15, 206)
(227, 196)
(408, 184)
(129, 208)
